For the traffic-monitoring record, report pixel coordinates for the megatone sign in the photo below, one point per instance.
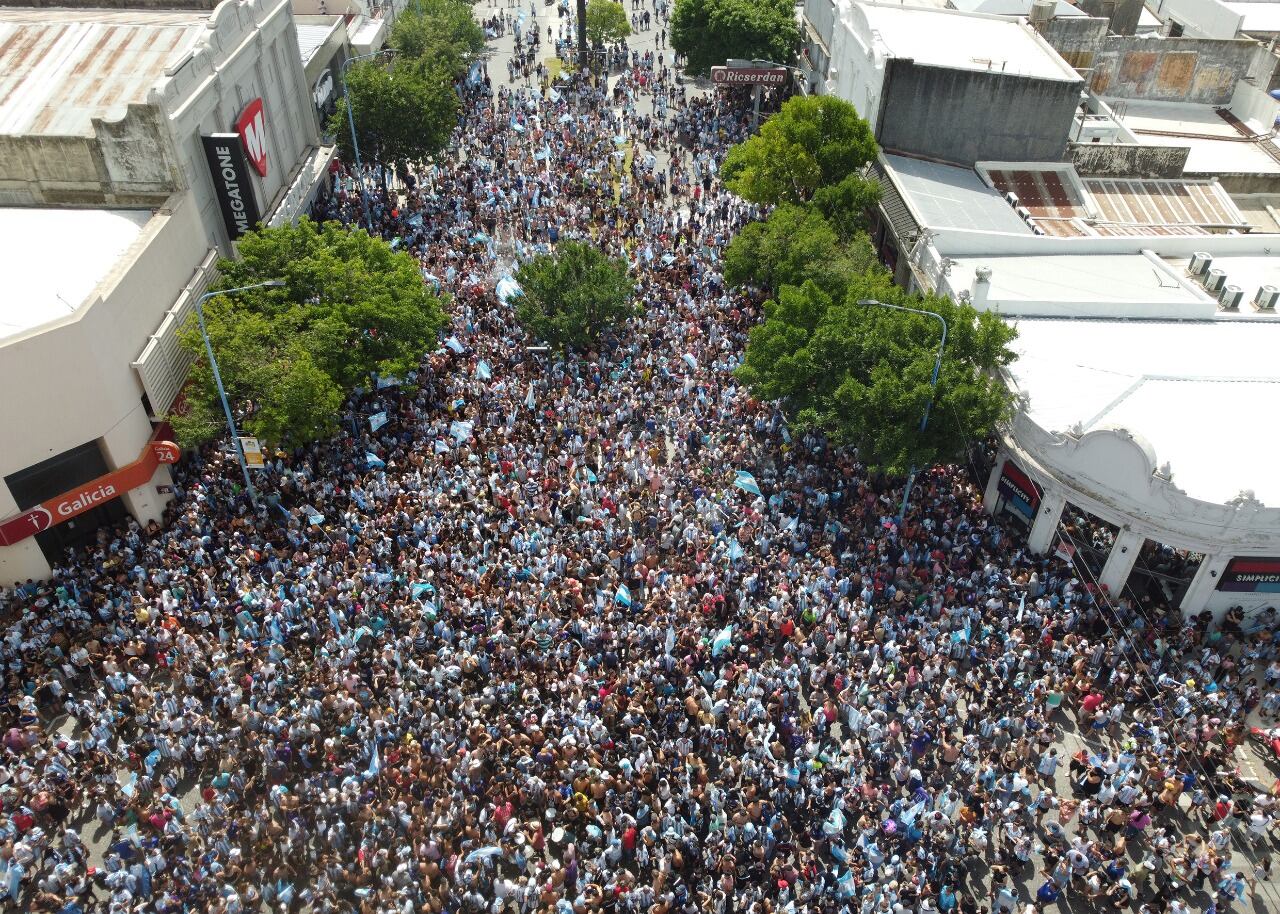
(231, 182)
(252, 128)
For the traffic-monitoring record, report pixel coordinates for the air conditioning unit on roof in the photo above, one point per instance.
(1231, 297)
(1215, 280)
(1200, 263)
(1266, 298)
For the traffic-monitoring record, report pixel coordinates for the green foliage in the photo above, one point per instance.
(846, 205)
(607, 22)
(573, 296)
(813, 142)
(861, 374)
(438, 35)
(793, 245)
(350, 307)
(402, 113)
(709, 32)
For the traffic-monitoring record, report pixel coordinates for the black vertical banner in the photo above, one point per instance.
(230, 172)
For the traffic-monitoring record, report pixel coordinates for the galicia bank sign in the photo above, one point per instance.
(89, 495)
(84, 500)
(231, 182)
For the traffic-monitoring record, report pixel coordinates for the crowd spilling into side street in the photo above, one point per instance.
(599, 633)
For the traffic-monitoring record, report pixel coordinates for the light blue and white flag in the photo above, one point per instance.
(623, 595)
(483, 372)
(690, 361)
(735, 550)
(746, 482)
(528, 400)
(461, 430)
(377, 420)
(375, 760)
(453, 344)
(722, 640)
(373, 461)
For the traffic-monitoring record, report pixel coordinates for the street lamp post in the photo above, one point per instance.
(757, 91)
(933, 387)
(217, 376)
(351, 122)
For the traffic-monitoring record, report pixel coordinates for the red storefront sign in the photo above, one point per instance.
(749, 76)
(93, 493)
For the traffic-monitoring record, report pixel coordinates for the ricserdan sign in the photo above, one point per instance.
(93, 493)
(230, 173)
(749, 76)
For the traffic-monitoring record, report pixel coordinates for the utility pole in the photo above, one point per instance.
(582, 34)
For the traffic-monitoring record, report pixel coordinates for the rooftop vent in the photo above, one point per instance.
(1200, 263)
(1266, 299)
(1214, 280)
(1231, 297)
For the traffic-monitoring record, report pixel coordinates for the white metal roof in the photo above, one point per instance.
(948, 196)
(1215, 146)
(59, 69)
(1060, 280)
(964, 41)
(311, 38)
(1203, 393)
(53, 259)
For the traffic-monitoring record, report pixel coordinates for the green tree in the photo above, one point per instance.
(350, 307)
(402, 113)
(572, 296)
(793, 245)
(709, 32)
(440, 35)
(861, 373)
(848, 204)
(606, 22)
(812, 142)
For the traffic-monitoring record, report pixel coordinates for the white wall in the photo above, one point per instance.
(252, 52)
(857, 67)
(1200, 18)
(76, 377)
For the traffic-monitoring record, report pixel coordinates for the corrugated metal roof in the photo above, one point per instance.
(311, 38)
(905, 227)
(59, 69)
(1042, 191)
(1140, 201)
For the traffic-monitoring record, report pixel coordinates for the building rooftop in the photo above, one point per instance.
(1217, 146)
(60, 69)
(1061, 9)
(1197, 391)
(949, 196)
(965, 41)
(1084, 285)
(312, 37)
(53, 259)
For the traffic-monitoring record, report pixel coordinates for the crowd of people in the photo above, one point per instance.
(599, 633)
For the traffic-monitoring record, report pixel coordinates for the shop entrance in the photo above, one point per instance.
(52, 477)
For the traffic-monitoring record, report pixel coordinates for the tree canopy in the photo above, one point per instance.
(573, 296)
(795, 244)
(607, 22)
(350, 307)
(813, 142)
(861, 373)
(439, 35)
(709, 32)
(403, 113)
